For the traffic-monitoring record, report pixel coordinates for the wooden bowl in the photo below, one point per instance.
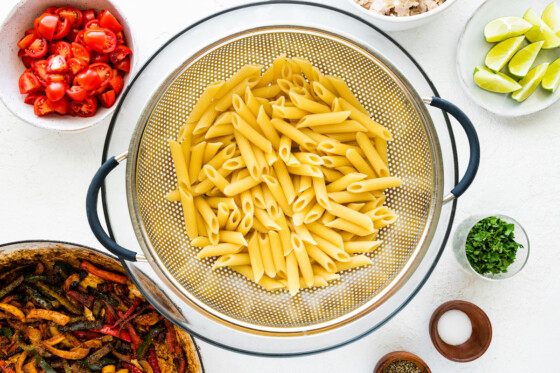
(391, 357)
(479, 340)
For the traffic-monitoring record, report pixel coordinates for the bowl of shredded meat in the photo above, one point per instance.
(395, 15)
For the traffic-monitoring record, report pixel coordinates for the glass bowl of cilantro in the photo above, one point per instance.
(494, 247)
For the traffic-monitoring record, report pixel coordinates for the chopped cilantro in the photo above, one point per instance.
(491, 246)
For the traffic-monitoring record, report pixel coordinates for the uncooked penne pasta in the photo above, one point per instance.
(374, 184)
(354, 247)
(323, 119)
(373, 157)
(266, 255)
(241, 259)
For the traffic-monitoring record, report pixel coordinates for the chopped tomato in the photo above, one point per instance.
(120, 38)
(88, 15)
(28, 61)
(55, 91)
(116, 83)
(26, 41)
(79, 51)
(21, 53)
(107, 99)
(30, 98)
(51, 10)
(86, 108)
(63, 49)
(80, 38)
(95, 39)
(72, 35)
(88, 79)
(103, 70)
(73, 15)
(120, 53)
(38, 48)
(40, 71)
(77, 65)
(123, 65)
(99, 57)
(57, 64)
(42, 106)
(93, 24)
(61, 106)
(107, 20)
(46, 25)
(110, 41)
(30, 31)
(28, 83)
(62, 29)
(77, 93)
(57, 78)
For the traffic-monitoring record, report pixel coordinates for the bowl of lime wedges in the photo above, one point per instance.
(508, 57)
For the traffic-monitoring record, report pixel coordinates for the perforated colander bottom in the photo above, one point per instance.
(227, 294)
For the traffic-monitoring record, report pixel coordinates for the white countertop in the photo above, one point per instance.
(44, 177)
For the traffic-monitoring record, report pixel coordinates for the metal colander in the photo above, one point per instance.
(414, 156)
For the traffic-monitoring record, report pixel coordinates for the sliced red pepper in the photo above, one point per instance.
(152, 360)
(136, 341)
(122, 334)
(106, 275)
(5, 368)
(127, 314)
(131, 368)
(173, 345)
(110, 314)
(85, 299)
(84, 334)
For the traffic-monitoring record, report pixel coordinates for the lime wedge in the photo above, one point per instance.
(502, 52)
(540, 31)
(551, 16)
(530, 82)
(523, 60)
(504, 28)
(494, 82)
(551, 79)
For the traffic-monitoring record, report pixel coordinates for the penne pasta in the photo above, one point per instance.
(281, 176)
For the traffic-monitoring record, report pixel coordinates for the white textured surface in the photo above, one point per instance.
(44, 177)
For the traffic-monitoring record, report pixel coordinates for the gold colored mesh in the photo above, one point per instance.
(228, 293)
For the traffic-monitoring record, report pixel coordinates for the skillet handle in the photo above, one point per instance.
(474, 145)
(91, 210)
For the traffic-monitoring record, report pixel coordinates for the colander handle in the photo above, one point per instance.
(93, 217)
(474, 145)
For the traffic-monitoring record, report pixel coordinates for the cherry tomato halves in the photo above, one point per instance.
(42, 106)
(28, 83)
(86, 108)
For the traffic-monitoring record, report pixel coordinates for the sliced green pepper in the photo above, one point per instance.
(10, 287)
(59, 297)
(143, 348)
(43, 363)
(37, 299)
(112, 301)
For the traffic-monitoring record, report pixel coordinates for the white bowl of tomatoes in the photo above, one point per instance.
(65, 63)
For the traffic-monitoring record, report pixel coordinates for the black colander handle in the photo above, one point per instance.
(474, 145)
(93, 217)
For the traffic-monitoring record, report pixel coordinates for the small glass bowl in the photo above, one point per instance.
(460, 239)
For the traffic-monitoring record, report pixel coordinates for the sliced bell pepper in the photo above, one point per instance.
(106, 275)
(10, 287)
(57, 317)
(126, 315)
(143, 348)
(13, 310)
(131, 368)
(76, 353)
(152, 359)
(122, 334)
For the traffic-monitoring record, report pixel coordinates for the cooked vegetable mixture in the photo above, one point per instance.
(85, 319)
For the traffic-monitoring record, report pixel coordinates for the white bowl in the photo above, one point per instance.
(472, 50)
(12, 30)
(389, 23)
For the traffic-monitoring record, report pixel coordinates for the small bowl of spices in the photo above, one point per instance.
(494, 247)
(460, 331)
(401, 362)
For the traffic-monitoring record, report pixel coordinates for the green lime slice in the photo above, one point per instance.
(551, 79)
(551, 16)
(504, 28)
(530, 82)
(521, 63)
(494, 82)
(540, 31)
(502, 52)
